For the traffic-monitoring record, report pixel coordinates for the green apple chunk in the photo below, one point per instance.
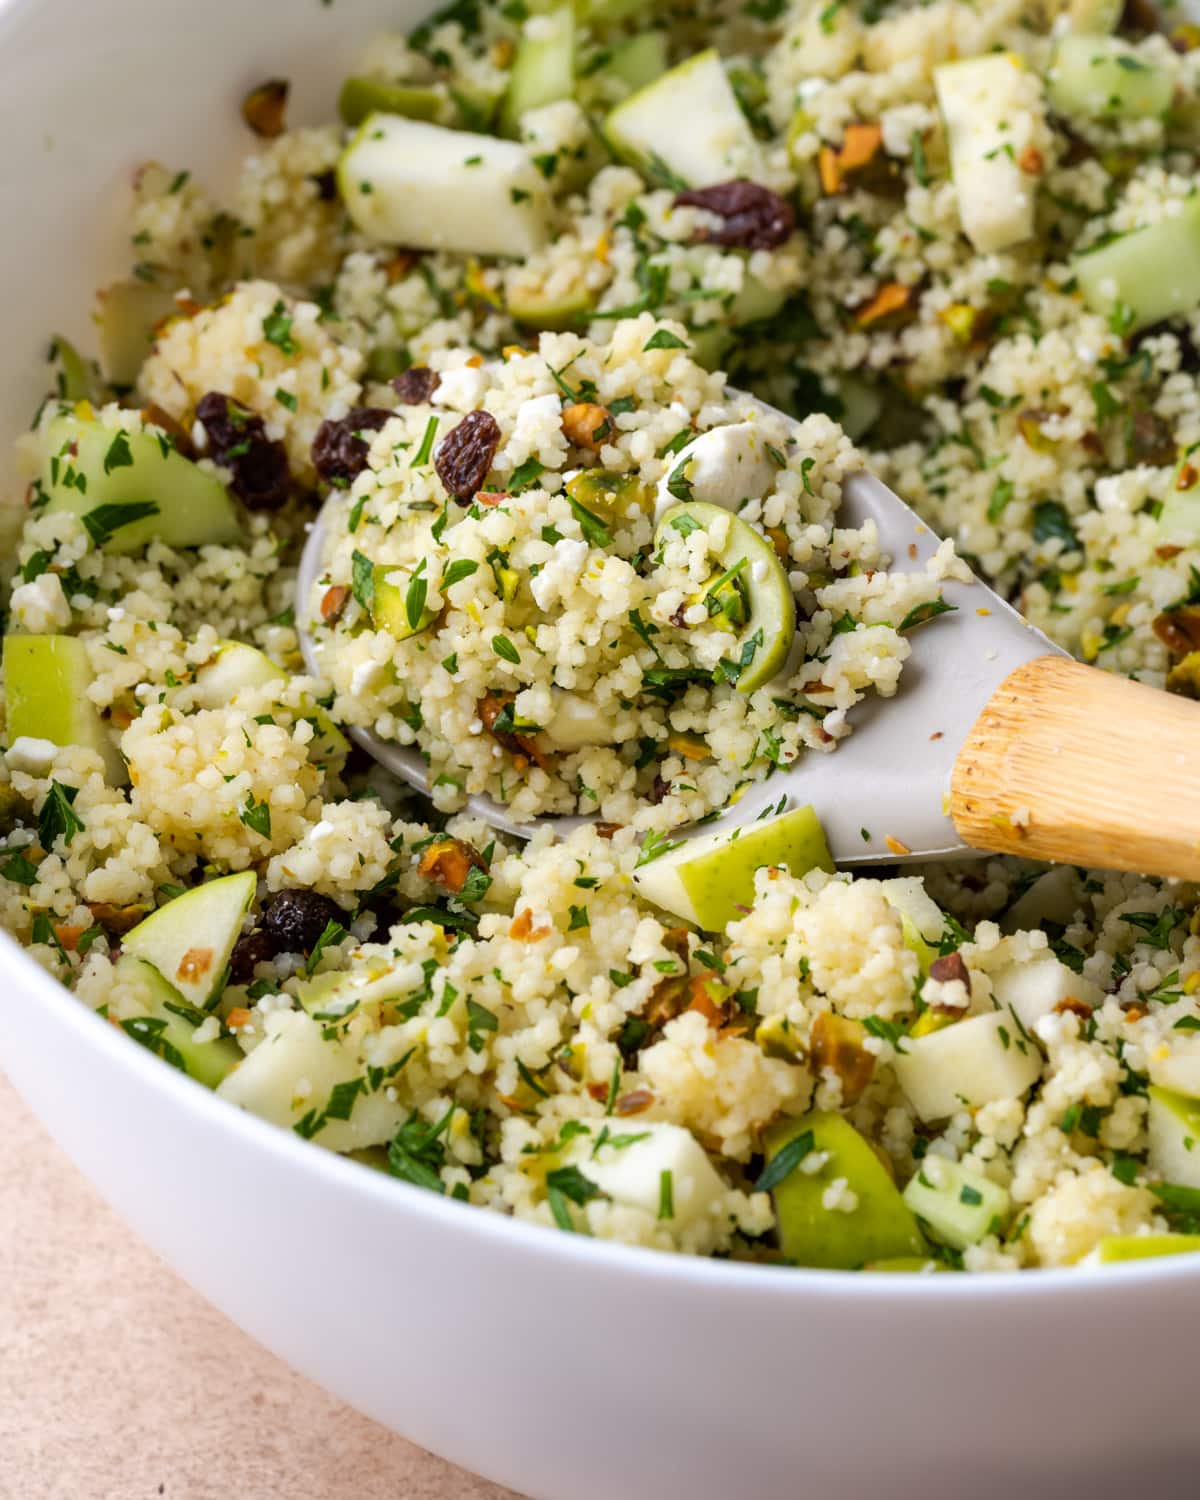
(633, 1172)
(169, 1025)
(363, 95)
(46, 681)
(989, 115)
(127, 315)
(236, 668)
(1100, 77)
(1173, 1128)
(751, 593)
(543, 69)
(920, 1264)
(967, 1064)
(1180, 515)
(957, 1205)
(640, 60)
(1147, 275)
(1119, 1247)
(129, 488)
(709, 880)
(528, 305)
(686, 126)
(78, 378)
(390, 603)
(190, 939)
(407, 182)
(878, 1227)
(921, 919)
(1094, 17)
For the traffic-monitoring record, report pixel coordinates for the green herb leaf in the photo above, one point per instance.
(663, 338)
(118, 455)
(785, 1161)
(919, 614)
(362, 580)
(503, 647)
(257, 816)
(105, 521)
(277, 329)
(58, 816)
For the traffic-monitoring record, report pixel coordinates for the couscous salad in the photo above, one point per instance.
(493, 323)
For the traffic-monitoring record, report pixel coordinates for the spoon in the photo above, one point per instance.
(996, 740)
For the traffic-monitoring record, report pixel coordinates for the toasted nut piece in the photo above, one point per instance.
(689, 747)
(836, 1044)
(237, 1017)
(710, 999)
(891, 299)
(860, 146)
(1032, 161)
(634, 1103)
(117, 919)
(263, 107)
(1071, 1006)
(68, 935)
(1179, 629)
(949, 967)
(829, 171)
(399, 264)
(333, 601)
(448, 863)
(586, 424)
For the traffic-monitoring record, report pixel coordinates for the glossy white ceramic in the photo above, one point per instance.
(563, 1368)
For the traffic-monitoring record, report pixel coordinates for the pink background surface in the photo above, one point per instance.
(117, 1382)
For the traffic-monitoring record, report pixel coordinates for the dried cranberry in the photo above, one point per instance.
(1151, 440)
(239, 442)
(465, 454)
(293, 920)
(339, 452)
(249, 951)
(950, 967)
(755, 217)
(416, 385)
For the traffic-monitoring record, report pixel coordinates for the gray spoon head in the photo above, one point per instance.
(882, 794)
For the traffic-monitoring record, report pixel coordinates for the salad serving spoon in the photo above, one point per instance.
(996, 740)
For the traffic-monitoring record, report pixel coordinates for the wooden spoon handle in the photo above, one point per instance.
(1078, 766)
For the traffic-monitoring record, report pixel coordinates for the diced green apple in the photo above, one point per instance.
(389, 604)
(920, 1264)
(1147, 275)
(879, 1227)
(959, 1206)
(632, 1172)
(1179, 1070)
(175, 1022)
(1036, 989)
(98, 472)
(46, 681)
(768, 628)
(989, 114)
(543, 70)
(236, 668)
(709, 879)
(1180, 515)
(292, 1070)
(686, 126)
(1123, 1247)
(79, 379)
(1053, 897)
(1094, 17)
(638, 61)
(363, 95)
(921, 918)
(127, 316)
(190, 939)
(966, 1064)
(1173, 1131)
(533, 308)
(407, 182)
(1100, 77)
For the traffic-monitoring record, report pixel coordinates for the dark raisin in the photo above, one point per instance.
(659, 790)
(465, 454)
(339, 452)
(326, 184)
(249, 951)
(950, 966)
(239, 443)
(416, 385)
(294, 920)
(755, 217)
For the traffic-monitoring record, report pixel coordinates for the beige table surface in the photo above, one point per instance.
(117, 1382)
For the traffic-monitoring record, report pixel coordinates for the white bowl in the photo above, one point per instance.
(564, 1368)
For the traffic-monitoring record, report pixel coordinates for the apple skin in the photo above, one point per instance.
(1119, 1247)
(46, 678)
(189, 939)
(881, 1228)
(772, 606)
(1173, 1128)
(194, 507)
(709, 880)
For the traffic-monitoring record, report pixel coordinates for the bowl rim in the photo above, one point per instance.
(175, 1090)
